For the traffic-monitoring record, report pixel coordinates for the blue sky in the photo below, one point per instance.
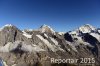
(61, 15)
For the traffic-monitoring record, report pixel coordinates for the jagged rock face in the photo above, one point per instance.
(68, 37)
(37, 47)
(9, 34)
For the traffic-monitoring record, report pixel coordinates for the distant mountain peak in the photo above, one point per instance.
(88, 25)
(86, 28)
(46, 28)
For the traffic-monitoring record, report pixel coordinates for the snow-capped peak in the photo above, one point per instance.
(44, 25)
(46, 28)
(7, 25)
(86, 28)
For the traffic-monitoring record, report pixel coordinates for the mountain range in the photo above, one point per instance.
(31, 47)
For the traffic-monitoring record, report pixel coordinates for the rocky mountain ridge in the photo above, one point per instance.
(37, 47)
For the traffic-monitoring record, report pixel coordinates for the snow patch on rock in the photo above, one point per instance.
(72, 45)
(26, 34)
(61, 33)
(46, 35)
(52, 47)
(47, 43)
(98, 30)
(54, 41)
(97, 36)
